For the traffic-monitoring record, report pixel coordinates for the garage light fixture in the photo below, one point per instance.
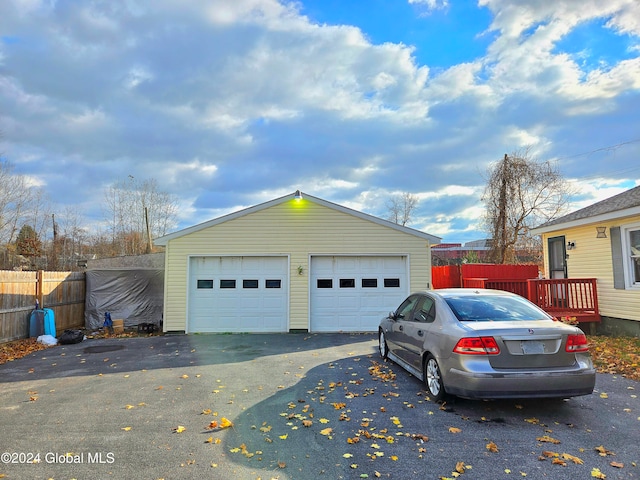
(298, 195)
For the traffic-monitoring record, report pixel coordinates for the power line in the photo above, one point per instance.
(601, 149)
(610, 148)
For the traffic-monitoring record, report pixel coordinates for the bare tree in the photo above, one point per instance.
(13, 199)
(72, 238)
(20, 203)
(401, 207)
(130, 206)
(521, 193)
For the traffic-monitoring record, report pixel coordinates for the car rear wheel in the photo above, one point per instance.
(382, 345)
(433, 379)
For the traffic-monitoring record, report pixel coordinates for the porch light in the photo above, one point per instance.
(602, 232)
(297, 195)
(571, 245)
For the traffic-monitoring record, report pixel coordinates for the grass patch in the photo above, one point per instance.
(617, 355)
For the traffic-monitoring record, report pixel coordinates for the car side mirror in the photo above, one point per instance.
(392, 316)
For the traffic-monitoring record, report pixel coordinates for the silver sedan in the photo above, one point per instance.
(477, 343)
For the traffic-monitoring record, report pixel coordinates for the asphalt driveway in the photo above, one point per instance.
(303, 406)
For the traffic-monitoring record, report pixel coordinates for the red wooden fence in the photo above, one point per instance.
(451, 276)
(447, 276)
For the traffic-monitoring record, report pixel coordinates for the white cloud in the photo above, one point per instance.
(431, 4)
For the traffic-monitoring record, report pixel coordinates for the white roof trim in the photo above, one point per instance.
(164, 240)
(605, 217)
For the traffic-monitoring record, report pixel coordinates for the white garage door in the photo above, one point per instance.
(352, 294)
(238, 294)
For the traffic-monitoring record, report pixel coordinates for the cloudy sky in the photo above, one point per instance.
(228, 104)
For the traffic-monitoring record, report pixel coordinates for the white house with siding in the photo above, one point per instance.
(601, 241)
(294, 263)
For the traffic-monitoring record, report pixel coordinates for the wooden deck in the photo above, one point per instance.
(568, 299)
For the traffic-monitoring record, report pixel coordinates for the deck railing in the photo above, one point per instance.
(572, 298)
(566, 297)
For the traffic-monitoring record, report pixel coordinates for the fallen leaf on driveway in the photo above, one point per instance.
(548, 439)
(575, 460)
(492, 447)
(603, 452)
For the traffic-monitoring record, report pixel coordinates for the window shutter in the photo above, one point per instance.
(617, 258)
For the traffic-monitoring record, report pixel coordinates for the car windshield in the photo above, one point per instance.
(496, 308)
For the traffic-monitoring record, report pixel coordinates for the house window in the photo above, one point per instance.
(631, 254)
(625, 253)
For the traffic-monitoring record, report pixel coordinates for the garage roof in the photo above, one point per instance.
(164, 240)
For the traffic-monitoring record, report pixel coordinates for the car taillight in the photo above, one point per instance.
(577, 343)
(477, 346)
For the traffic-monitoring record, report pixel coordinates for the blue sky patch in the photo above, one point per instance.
(442, 38)
(594, 46)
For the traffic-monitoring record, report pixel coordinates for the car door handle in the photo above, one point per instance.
(420, 333)
(400, 327)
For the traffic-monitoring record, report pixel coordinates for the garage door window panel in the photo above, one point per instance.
(325, 283)
(369, 283)
(205, 284)
(227, 284)
(249, 283)
(273, 283)
(392, 283)
(347, 283)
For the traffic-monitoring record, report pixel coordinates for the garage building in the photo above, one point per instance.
(293, 263)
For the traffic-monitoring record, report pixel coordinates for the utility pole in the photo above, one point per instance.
(146, 219)
(54, 253)
(502, 222)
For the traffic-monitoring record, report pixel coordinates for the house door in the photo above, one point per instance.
(557, 258)
(557, 270)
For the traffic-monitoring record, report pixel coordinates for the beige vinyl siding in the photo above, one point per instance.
(591, 258)
(298, 229)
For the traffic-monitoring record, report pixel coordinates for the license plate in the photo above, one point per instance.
(532, 347)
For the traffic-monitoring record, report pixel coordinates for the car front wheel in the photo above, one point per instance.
(433, 379)
(382, 345)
